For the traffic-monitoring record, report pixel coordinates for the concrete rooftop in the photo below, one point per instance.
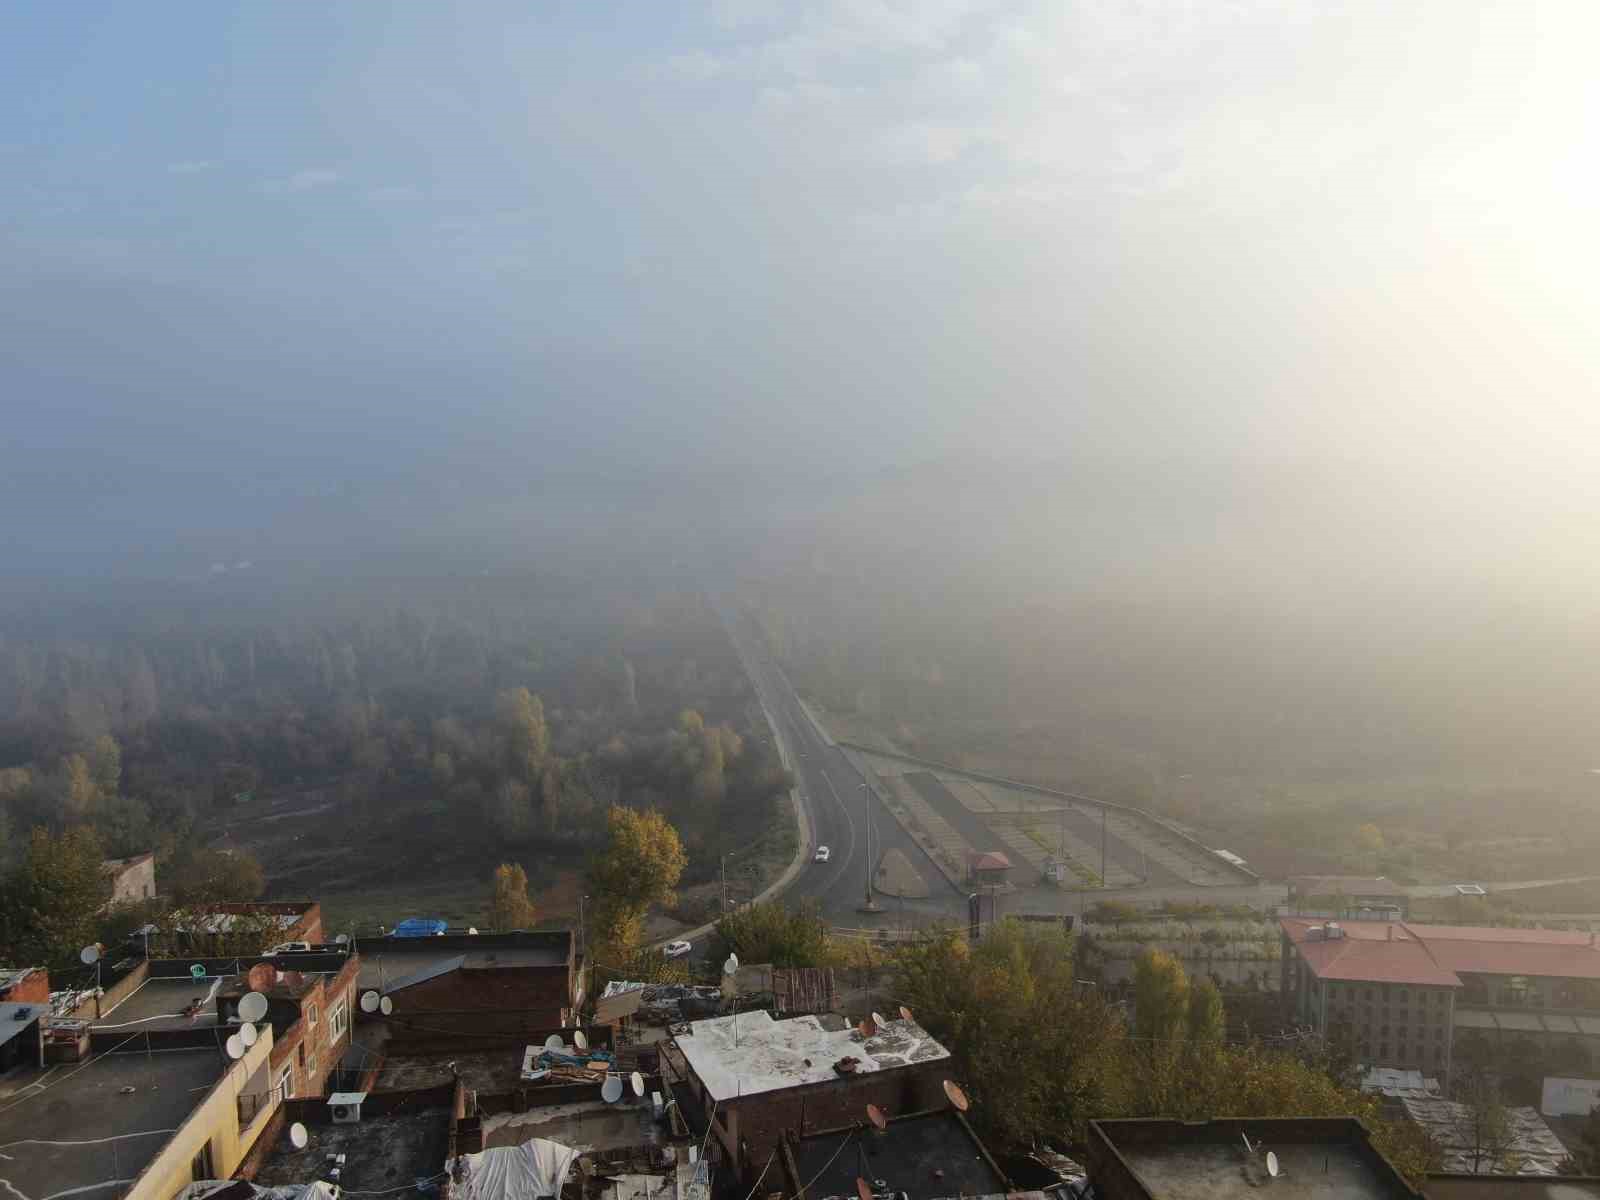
(1217, 1171)
(43, 1113)
(380, 1153)
(751, 1053)
(590, 1126)
(924, 1156)
(159, 1004)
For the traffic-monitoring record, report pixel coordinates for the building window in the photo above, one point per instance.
(285, 1087)
(301, 1052)
(201, 1166)
(311, 1067)
(338, 1019)
(311, 1015)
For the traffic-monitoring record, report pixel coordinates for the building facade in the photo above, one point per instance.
(1406, 995)
(132, 879)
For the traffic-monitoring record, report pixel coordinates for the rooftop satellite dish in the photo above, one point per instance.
(611, 1089)
(553, 1042)
(731, 966)
(905, 1013)
(863, 1189)
(386, 1006)
(877, 1019)
(875, 1115)
(260, 977)
(234, 1046)
(90, 954)
(248, 1034)
(369, 1001)
(1272, 1164)
(734, 959)
(956, 1096)
(298, 1137)
(343, 939)
(580, 1039)
(637, 1080)
(252, 1006)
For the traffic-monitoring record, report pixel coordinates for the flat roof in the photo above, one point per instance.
(1437, 955)
(750, 1053)
(42, 1113)
(387, 963)
(18, 1018)
(1318, 1159)
(926, 1155)
(159, 1004)
(490, 1072)
(1531, 1145)
(590, 1126)
(381, 1153)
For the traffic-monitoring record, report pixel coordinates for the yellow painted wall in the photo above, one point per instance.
(216, 1120)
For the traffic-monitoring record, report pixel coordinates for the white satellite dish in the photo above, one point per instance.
(734, 959)
(90, 954)
(554, 1042)
(252, 1006)
(877, 1019)
(580, 1039)
(235, 1046)
(731, 966)
(1272, 1164)
(343, 939)
(637, 1081)
(298, 1137)
(369, 1002)
(248, 1034)
(611, 1089)
(386, 1006)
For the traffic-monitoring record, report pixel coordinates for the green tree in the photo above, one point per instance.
(1012, 998)
(51, 900)
(521, 718)
(1369, 838)
(78, 786)
(1160, 996)
(509, 905)
(640, 866)
(196, 876)
(1206, 1019)
(777, 934)
(105, 766)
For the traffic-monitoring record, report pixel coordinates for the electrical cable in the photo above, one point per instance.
(850, 1138)
(762, 1176)
(70, 1074)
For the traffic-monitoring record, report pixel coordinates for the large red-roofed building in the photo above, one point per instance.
(1401, 993)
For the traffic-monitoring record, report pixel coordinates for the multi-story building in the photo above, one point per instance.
(130, 879)
(1401, 994)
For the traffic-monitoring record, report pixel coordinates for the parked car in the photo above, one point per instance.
(677, 949)
(821, 855)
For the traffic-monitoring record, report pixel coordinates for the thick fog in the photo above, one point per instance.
(1263, 327)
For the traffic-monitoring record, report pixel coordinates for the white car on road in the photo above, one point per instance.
(677, 949)
(821, 855)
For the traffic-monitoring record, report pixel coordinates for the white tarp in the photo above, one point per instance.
(536, 1168)
(1565, 1097)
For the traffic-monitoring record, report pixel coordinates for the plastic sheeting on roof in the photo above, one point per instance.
(537, 1167)
(420, 927)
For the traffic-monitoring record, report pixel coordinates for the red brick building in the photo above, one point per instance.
(311, 1013)
(486, 985)
(24, 985)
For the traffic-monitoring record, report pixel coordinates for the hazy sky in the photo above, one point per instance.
(247, 248)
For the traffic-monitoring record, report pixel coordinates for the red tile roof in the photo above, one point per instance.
(1400, 952)
(990, 860)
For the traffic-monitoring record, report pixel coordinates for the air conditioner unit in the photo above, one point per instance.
(345, 1107)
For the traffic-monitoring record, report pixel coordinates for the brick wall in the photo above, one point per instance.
(756, 1124)
(490, 1001)
(32, 988)
(310, 1048)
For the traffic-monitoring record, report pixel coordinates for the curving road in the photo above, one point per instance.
(844, 816)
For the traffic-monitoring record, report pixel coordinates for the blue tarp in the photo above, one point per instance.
(420, 927)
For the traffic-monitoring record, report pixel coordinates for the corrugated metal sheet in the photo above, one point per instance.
(804, 990)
